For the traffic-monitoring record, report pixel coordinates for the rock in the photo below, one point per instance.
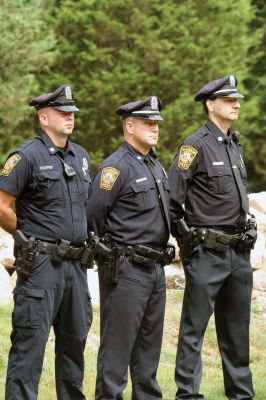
(258, 259)
(174, 243)
(259, 281)
(175, 278)
(5, 286)
(6, 251)
(92, 277)
(13, 280)
(258, 201)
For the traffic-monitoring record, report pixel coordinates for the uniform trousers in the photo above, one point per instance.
(219, 282)
(132, 317)
(55, 295)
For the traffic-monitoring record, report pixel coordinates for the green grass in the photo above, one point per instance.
(212, 382)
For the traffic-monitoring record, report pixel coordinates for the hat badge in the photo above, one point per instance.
(154, 103)
(68, 93)
(232, 81)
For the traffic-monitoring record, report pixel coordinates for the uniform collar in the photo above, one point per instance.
(51, 146)
(216, 132)
(139, 156)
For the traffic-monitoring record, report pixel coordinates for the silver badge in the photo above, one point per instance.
(232, 81)
(68, 93)
(154, 103)
(85, 165)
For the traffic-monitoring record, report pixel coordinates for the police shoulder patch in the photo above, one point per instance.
(108, 177)
(10, 164)
(186, 156)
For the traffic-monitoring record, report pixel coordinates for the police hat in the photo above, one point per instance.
(61, 99)
(146, 109)
(224, 87)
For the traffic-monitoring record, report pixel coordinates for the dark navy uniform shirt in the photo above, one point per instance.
(49, 206)
(201, 179)
(124, 200)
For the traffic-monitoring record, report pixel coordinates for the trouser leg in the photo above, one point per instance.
(31, 321)
(146, 352)
(122, 309)
(205, 275)
(232, 318)
(71, 327)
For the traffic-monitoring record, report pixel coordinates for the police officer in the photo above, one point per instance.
(48, 178)
(126, 212)
(215, 235)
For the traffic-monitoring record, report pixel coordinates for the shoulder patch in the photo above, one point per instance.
(186, 156)
(10, 164)
(108, 177)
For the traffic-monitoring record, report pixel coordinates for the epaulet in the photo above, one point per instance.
(24, 147)
(196, 136)
(114, 158)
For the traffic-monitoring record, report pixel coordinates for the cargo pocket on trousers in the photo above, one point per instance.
(28, 307)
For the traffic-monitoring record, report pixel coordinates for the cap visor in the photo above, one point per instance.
(149, 117)
(235, 96)
(66, 108)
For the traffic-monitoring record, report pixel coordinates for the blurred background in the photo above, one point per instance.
(116, 51)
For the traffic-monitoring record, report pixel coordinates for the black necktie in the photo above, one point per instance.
(159, 185)
(239, 183)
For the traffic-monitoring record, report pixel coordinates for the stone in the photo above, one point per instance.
(5, 286)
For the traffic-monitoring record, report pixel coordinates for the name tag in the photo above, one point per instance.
(44, 167)
(141, 179)
(218, 163)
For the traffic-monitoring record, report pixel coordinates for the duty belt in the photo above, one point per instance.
(221, 241)
(67, 250)
(143, 254)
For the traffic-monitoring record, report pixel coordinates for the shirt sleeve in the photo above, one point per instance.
(105, 190)
(180, 176)
(15, 174)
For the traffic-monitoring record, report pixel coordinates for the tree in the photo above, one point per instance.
(25, 50)
(256, 120)
(114, 51)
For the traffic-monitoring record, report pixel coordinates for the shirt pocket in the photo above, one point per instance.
(48, 186)
(144, 195)
(220, 179)
(166, 188)
(84, 189)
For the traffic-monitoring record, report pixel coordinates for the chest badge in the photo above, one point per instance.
(85, 165)
(10, 164)
(186, 156)
(108, 178)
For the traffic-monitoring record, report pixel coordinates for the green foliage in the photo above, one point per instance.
(256, 120)
(25, 46)
(113, 51)
(116, 51)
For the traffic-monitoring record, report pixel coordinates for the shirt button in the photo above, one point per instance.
(51, 149)
(220, 139)
(139, 157)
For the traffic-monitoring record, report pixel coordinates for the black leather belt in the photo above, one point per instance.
(71, 252)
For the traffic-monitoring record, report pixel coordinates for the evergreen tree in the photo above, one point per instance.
(25, 45)
(114, 51)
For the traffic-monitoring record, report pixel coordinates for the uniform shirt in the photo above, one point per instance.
(202, 180)
(49, 206)
(125, 202)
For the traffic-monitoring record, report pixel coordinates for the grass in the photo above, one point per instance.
(212, 382)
